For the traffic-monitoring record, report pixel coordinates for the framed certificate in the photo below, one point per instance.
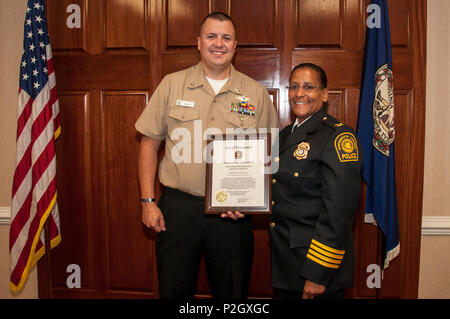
(237, 174)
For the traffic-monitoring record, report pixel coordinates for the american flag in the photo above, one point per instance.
(38, 126)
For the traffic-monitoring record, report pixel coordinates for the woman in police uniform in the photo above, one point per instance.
(315, 194)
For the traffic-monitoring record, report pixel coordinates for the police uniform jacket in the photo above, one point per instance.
(315, 195)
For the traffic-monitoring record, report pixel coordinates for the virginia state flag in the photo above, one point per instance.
(376, 130)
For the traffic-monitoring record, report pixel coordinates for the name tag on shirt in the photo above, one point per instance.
(185, 103)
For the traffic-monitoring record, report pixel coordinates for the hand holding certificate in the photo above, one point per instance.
(237, 178)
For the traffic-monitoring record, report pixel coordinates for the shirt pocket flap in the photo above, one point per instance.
(184, 113)
(244, 121)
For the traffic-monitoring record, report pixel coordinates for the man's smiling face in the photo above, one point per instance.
(217, 44)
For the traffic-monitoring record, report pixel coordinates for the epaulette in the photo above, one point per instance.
(332, 122)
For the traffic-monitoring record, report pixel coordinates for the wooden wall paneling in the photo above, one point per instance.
(126, 23)
(354, 13)
(351, 104)
(182, 21)
(319, 23)
(95, 30)
(394, 280)
(255, 21)
(336, 103)
(400, 25)
(343, 68)
(415, 175)
(366, 252)
(74, 168)
(261, 274)
(63, 37)
(130, 254)
(111, 72)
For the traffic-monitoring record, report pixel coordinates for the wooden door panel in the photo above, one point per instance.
(255, 20)
(400, 25)
(130, 265)
(182, 23)
(394, 283)
(319, 23)
(64, 37)
(74, 168)
(132, 30)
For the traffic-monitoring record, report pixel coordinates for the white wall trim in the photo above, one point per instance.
(431, 225)
(5, 215)
(436, 225)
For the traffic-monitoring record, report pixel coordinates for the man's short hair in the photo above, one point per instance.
(219, 16)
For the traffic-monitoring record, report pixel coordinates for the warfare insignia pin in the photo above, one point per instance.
(346, 147)
(302, 150)
(242, 98)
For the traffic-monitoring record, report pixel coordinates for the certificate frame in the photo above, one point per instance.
(266, 207)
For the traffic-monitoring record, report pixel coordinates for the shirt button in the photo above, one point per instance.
(274, 181)
(276, 159)
(272, 225)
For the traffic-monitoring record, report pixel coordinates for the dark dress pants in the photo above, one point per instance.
(227, 245)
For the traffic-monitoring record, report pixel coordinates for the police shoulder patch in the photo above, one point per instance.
(346, 147)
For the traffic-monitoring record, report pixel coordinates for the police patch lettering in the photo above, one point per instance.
(346, 147)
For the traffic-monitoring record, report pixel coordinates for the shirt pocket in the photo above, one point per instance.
(242, 120)
(184, 114)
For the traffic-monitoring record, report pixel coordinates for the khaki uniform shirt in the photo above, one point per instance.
(184, 109)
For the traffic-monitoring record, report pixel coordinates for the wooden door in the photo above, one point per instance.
(107, 70)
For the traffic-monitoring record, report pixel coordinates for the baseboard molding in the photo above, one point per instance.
(436, 225)
(5, 215)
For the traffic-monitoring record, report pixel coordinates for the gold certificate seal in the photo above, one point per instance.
(302, 150)
(221, 196)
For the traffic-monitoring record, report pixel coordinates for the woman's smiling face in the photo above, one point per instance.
(306, 95)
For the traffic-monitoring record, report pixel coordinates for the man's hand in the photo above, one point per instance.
(152, 217)
(235, 216)
(312, 290)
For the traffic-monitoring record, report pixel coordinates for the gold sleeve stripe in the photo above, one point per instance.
(326, 253)
(331, 250)
(333, 261)
(325, 264)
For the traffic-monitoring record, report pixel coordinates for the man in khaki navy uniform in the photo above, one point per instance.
(315, 195)
(186, 106)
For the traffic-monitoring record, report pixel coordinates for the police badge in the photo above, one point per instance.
(383, 110)
(302, 151)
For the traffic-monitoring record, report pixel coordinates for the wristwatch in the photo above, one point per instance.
(147, 200)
